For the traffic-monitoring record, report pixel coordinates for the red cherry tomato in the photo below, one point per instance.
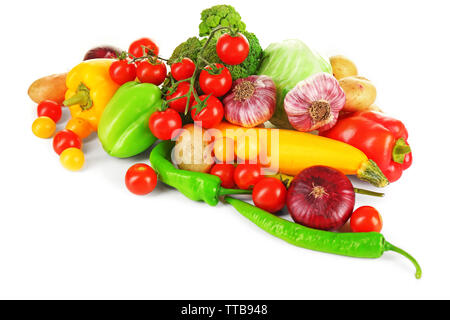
(232, 50)
(216, 84)
(247, 175)
(269, 194)
(65, 139)
(179, 105)
(137, 51)
(226, 173)
(366, 219)
(151, 73)
(122, 72)
(164, 124)
(140, 179)
(50, 109)
(183, 70)
(211, 115)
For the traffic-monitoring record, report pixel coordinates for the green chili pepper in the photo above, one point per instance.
(196, 186)
(359, 245)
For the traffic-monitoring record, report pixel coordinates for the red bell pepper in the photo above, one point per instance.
(381, 138)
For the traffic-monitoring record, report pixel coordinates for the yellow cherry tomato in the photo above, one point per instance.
(80, 127)
(224, 150)
(43, 127)
(72, 159)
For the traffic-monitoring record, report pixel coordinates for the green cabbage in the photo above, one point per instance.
(288, 63)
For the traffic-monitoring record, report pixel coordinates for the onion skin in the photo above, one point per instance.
(252, 110)
(102, 52)
(321, 198)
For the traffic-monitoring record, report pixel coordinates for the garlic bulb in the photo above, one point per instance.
(251, 101)
(314, 104)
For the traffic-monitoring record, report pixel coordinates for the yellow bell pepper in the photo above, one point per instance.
(89, 89)
(290, 152)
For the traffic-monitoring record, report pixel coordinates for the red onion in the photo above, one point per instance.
(251, 101)
(102, 52)
(321, 198)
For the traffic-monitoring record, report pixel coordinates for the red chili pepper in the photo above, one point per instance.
(381, 138)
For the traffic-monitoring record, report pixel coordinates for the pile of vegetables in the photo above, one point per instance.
(210, 113)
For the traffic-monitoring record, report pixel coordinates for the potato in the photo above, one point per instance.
(343, 67)
(375, 108)
(193, 151)
(49, 88)
(360, 93)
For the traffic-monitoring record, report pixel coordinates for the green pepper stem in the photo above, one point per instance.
(225, 192)
(368, 192)
(400, 150)
(81, 97)
(391, 247)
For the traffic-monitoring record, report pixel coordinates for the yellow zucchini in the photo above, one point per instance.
(292, 151)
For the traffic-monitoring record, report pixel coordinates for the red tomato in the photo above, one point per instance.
(232, 50)
(211, 115)
(247, 175)
(163, 124)
(269, 194)
(122, 72)
(65, 139)
(50, 109)
(179, 105)
(151, 73)
(366, 219)
(216, 84)
(226, 173)
(137, 51)
(141, 179)
(183, 70)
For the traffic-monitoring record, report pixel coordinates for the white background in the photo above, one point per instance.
(83, 235)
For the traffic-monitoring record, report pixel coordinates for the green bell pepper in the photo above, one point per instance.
(123, 129)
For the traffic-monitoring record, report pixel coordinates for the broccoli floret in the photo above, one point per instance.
(188, 49)
(247, 68)
(223, 15)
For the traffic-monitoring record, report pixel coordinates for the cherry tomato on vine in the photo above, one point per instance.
(122, 72)
(231, 49)
(65, 139)
(216, 84)
(183, 70)
(366, 219)
(141, 179)
(269, 194)
(164, 124)
(137, 51)
(226, 173)
(50, 109)
(179, 105)
(211, 115)
(151, 73)
(72, 159)
(247, 175)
